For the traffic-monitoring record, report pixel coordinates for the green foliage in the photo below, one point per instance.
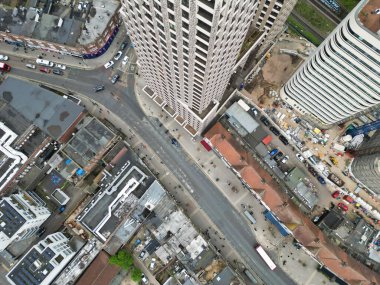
(349, 4)
(123, 259)
(298, 29)
(136, 274)
(314, 17)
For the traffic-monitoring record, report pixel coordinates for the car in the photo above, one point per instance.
(123, 45)
(285, 159)
(31, 66)
(300, 157)
(175, 142)
(118, 55)
(349, 199)
(321, 180)
(4, 57)
(345, 173)
(109, 64)
(278, 156)
(40, 232)
(275, 131)
(115, 78)
(336, 194)
(142, 254)
(152, 264)
(57, 71)
(312, 171)
(99, 88)
(144, 280)
(254, 111)
(60, 66)
(125, 60)
(283, 140)
(45, 69)
(343, 207)
(265, 121)
(273, 152)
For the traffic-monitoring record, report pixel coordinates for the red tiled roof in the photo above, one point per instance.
(100, 272)
(303, 229)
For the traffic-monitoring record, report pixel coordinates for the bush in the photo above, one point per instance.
(136, 274)
(123, 259)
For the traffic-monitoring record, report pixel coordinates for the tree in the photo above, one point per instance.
(136, 274)
(122, 258)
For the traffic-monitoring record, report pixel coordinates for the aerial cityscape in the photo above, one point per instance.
(213, 142)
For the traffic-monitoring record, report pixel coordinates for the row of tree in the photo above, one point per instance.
(124, 260)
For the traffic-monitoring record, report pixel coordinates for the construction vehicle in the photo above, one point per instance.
(333, 160)
(364, 129)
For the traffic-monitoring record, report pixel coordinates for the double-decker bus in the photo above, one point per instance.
(5, 67)
(265, 257)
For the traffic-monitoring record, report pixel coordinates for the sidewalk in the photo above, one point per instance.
(70, 61)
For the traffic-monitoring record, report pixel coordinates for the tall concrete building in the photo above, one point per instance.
(43, 262)
(270, 17)
(366, 169)
(21, 215)
(342, 78)
(187, 51)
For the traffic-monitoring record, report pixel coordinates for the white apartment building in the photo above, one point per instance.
(20, 217)
(43, 262)
(187, 50)
(342, 78)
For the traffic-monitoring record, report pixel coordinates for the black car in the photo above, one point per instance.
(275, 131)
(265, 121)
(115, 78)
(123, 45)
(99, 88)
(278, 156)
(284, 140)
(57, 71)
(312, 171)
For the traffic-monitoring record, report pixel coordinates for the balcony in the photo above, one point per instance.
(208, 3)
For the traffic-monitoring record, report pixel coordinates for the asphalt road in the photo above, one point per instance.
(120, 99)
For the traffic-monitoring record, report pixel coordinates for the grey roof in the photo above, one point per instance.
(12, 219)
(224, 277)
(51, 113)
(242, 117)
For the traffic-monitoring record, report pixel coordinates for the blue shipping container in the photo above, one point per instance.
(276, 222)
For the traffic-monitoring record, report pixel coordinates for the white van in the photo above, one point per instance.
(44, 62)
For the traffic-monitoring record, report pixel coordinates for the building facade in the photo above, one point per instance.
(366, 169)
(43, 262)
(20, 218)
(187, 50)
(341, 79)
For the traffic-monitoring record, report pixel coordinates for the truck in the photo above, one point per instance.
(267, 140)
(250, 276)
(335, 179)
(249, 215)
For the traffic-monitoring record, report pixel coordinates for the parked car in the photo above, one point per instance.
(109, 64)
(312, 171)
(275, 131)
(98, 88)
(142, 254)
(349, 199)
(57, 71)
(152, 264)
(125, 60)
(278, 156)
(45, 69)
(31, 66)
(321, 180)
(285, 159)
(144, 280)
(60, 66)
(123, 45)
(300, 157)
(336, 194)
(265, 121)
(254, 111)
(115, 78)
(343, 207)
(283, 139)
(4, 57)
(118, 55)
(273, 152)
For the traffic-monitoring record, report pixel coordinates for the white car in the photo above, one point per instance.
(60, 66)
(125, 60)
(300, 157)
(152, 264)
(285, 159)
(118, 55)
(3, 57)
(144, 279)
(109, 64)
(31, 66)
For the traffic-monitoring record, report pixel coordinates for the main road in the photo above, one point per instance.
(121, 100)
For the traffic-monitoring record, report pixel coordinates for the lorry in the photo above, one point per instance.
(335, 179)
(249, 215)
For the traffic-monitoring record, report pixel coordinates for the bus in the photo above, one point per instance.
(4, 67)
(265, 257)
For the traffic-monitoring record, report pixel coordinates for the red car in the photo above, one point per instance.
(335, 194)
(343, 207)
(349, 199)
(45, 69)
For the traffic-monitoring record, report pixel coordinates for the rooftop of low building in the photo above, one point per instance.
(369, 16)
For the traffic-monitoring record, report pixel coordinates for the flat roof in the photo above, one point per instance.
(368, 17)
(242, 117)
(51, 113)
(10, 219)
